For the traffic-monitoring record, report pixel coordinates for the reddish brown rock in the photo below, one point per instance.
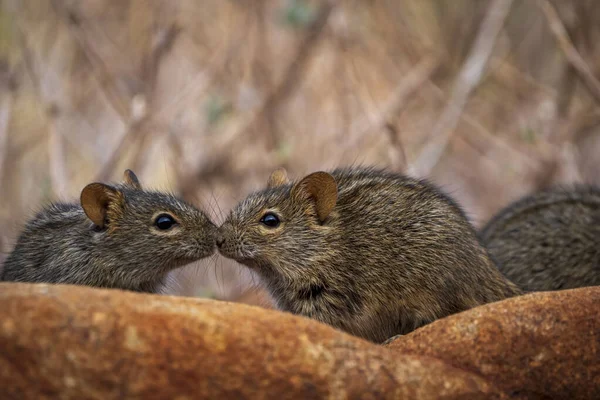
(255, 297)
(542, 345)
(74, 342)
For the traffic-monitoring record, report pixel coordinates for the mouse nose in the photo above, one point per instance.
(220, 239)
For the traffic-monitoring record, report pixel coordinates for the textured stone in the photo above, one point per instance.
(75, 342)
(542, 345)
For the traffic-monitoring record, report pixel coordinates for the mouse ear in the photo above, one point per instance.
(130, 179)
(278, 177)
(97, 199)
(321, 188)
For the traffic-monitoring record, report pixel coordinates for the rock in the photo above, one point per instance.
(541, 345)
(74, 342)
(255, 297)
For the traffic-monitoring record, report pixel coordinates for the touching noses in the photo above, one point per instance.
(220, 239)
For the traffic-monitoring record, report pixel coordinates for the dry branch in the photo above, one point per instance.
(6, 102)
(141, 116)
(483, 134)
(105, 81)
(56, 156)
(286, 86)
(405, 89)
(468, 78)
(57, 168)
(165, 39)
(573, 57)
(396, 152)
(135, 115)
(583, 126)
(131, 135)
(100, 71)
(292, 76)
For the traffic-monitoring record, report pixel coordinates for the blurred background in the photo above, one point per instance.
(491, 100)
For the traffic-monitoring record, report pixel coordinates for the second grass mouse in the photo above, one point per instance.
(119, 236)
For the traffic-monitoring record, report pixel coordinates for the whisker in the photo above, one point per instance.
(218, 286)
(218, 206)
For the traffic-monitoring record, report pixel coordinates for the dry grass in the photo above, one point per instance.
(490, 99)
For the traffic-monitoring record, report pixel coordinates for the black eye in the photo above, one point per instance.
(164, 222)
(271, 220)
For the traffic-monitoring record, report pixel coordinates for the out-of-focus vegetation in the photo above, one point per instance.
(490, 99)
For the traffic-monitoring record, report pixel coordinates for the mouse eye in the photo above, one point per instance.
(271, 220)
(164, 222)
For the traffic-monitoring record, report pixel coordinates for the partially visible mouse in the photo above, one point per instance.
(368, 251)
(549, 240)
(119, 236)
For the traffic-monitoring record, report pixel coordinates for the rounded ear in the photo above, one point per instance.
(96, 198)
(321, 188)
(278, 177)
(130, 179)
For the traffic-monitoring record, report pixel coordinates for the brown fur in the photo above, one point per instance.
(110, 240)
(549, 240)
(367, 251)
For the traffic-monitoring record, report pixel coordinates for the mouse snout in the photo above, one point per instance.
(220, 239)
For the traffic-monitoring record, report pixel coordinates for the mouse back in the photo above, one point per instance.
(548, 240)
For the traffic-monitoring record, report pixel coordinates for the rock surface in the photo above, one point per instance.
(542, 345)
(70, 342)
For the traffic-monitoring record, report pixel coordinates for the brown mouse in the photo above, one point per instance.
(368, 251)
(549, 240)
(119, 236)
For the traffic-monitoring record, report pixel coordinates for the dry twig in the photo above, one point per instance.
(100, 71)
(56, 155)
(6, 103)
(483, 134)
(583, 126)
(142, 115)
(292, 75)
(573, 57)
(468, 78)
(414, 80)
(56, 141)
(286, 86)
(135, 117)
